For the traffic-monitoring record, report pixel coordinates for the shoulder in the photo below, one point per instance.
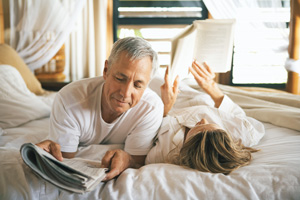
(149, 107)
(151, 98)
(150, 102)
(83, 85)
(81, 89)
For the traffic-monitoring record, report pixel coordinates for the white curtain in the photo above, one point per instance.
(86, 47)
(38, 28)
(252, 16)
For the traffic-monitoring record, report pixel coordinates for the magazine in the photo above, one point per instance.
(209, 41)
(75, 175)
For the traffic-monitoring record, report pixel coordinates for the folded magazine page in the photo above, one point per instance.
(76, 174)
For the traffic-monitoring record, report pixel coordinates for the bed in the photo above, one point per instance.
(273, 173)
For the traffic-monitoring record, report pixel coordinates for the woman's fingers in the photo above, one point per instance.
(209, 70)
(198, 69)
(196, 75)
(175, 85)
(167, 77)
(203, 70)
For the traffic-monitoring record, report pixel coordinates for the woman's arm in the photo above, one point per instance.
(169, 93)
(205, 79)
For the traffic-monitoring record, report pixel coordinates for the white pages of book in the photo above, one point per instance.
(209, 41)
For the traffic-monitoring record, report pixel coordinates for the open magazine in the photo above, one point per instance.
(209, 41)
(76, 174)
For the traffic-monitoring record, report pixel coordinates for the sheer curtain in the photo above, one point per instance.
(254, 17)
(39, 28)
(86, 47)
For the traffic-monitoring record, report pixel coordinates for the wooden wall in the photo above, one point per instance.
(293, 83)
(1, 23)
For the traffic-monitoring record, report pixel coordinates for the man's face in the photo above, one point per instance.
(125, 84)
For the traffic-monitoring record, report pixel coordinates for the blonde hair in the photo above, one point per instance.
(213, 151)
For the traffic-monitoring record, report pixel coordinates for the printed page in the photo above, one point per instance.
(214, 43)
(89, 167)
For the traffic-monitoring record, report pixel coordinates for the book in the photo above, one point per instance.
(209, 41)
(76, 175)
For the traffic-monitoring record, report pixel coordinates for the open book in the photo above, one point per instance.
(209, 41)
(76, 174)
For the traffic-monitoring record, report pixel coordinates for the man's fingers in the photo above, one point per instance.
(55, 151)
(111, 174)
(52, 148)
(105, 162)
(117, 164)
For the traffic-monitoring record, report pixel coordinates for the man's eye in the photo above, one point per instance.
(120, 79)
(138, 85)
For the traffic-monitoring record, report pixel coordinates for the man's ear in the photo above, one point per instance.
(105, 70)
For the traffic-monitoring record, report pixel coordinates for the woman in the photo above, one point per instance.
(216, 143)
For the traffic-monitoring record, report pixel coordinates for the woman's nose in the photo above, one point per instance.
(203, 121)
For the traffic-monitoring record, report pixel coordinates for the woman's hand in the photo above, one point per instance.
(169, 93)
(205, 79)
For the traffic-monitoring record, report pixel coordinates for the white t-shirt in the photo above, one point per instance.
(76, 119)
(229, 116)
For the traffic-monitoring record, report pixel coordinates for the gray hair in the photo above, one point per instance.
(136, 48)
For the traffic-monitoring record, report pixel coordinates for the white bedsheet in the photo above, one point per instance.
(274, 172)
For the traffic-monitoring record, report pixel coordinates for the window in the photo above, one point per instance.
(260, 51)
(257, 57)
(156, 21)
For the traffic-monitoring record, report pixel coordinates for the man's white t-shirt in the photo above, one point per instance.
(229, 116)
(76, 119)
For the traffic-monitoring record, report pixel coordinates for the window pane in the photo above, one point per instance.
(159, 38)
(160, 12)
(156, 21)
(140, 12)
(260, 49)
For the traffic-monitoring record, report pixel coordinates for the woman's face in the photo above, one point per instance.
(202, 125)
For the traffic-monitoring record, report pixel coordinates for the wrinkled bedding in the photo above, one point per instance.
(273, 174)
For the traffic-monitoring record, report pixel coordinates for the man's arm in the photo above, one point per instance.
(118, 160)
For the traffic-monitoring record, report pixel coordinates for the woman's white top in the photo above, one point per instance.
(228, 116)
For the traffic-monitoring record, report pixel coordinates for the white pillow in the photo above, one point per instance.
(17, 104)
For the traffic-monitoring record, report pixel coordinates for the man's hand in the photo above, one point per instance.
(169, 92)
(52, 148)
(204, 76)
(118, 160)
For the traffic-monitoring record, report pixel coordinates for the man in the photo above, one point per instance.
(114, 109)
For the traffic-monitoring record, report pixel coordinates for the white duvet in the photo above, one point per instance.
(273, 174)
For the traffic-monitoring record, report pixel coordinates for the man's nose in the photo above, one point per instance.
(127, 90)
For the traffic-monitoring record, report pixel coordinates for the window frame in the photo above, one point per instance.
(223, 78)
(155, 20)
